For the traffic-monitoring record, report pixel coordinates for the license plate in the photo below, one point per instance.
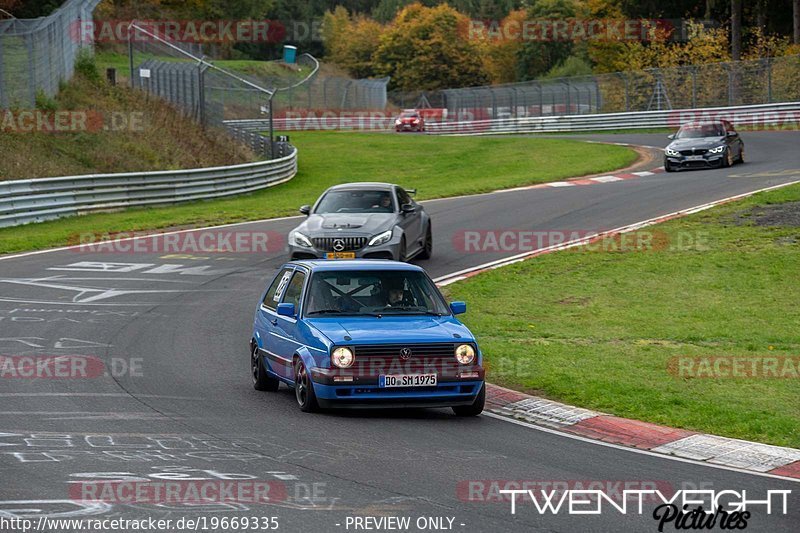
(407, 380)
(340, 255)
(694, 157)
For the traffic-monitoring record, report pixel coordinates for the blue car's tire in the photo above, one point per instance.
(477, 406)
(304, 388)
(261, 380)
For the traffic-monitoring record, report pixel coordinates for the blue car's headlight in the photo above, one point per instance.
(342, 357)
(672, 153)
(381, 238)
(298, 239)
(465, 354)
(717, 150)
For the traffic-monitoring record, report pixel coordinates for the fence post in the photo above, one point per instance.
(769, 80)
(31, 69)
(130, 55)
(694, 87)
(3, 95)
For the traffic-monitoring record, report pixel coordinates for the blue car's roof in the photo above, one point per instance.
(354, 264)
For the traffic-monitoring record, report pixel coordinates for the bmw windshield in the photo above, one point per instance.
(389, 292)
(356, 201)
(700, 131)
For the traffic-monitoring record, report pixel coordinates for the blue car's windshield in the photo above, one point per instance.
(356, 202)
(383, 292)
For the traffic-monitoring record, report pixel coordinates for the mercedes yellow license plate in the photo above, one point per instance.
(340, 255)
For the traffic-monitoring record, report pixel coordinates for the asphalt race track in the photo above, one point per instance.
(174, 396)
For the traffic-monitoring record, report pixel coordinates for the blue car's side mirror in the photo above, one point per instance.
(286, 309)
(458, 308)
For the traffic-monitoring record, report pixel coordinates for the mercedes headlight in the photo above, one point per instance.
(381, 238)
(298, 239)
(717, 150)
(342, 357)
(465, 354)
(671, 152)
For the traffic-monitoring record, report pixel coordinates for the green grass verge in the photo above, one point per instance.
(598, 328)
(436, 166)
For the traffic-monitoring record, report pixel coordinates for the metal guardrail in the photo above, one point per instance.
(24, 201)
(764, 114)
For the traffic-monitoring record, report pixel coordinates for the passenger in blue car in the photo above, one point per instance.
(365, 333)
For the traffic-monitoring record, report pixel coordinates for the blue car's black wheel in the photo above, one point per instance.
(477, 406)
(304, 388)
(261, 380)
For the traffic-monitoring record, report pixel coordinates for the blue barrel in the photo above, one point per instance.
(289, 54)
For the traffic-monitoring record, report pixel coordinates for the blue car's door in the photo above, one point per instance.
(267, 321)
(285, 334)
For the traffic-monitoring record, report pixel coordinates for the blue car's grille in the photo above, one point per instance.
(347, 244)
(417, 350)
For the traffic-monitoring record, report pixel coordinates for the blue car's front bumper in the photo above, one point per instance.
(368, 394)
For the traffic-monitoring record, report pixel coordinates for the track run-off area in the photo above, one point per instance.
(169, 395)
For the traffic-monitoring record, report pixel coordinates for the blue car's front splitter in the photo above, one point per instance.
(445, 394)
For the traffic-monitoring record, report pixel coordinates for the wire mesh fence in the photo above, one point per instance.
(38, 54)
(762, 81)
(181, 74)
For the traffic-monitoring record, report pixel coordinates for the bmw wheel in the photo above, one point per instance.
(477, 406)
(427, 249)
(727, 161)
(741, 155)
(304, 388)
(261, 380)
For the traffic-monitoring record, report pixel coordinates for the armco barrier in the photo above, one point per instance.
(24, 201)
(769, 115)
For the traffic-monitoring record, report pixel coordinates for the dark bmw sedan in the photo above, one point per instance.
(704, 145)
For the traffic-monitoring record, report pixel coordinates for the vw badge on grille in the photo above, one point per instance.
(405, 354)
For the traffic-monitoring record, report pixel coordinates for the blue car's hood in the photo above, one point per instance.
(391, 329)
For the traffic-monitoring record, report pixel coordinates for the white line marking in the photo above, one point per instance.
(560, 184)
(606, 179)
(643, 173)
(635, 450)
(149, 236)
(446, 279)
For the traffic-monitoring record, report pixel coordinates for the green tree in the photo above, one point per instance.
(427, 48)
(539, 55)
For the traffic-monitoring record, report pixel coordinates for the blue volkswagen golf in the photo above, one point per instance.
(364, 333)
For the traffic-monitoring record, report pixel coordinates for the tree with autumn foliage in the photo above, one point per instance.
(428, 48)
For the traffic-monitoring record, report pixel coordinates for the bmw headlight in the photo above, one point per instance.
(717, 150)
(672, 153)
(465, 354)
(342, 357)
(298, 239)
(381, 238)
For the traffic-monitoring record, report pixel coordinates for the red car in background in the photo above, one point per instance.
(409, 120)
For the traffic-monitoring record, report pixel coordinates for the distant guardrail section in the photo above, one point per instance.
(24, 201)
(764, 115)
